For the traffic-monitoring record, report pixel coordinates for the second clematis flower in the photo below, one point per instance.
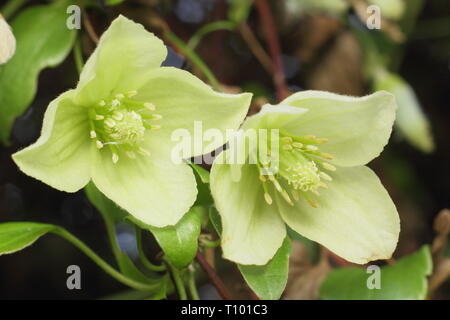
(308, 172)
(115, 128)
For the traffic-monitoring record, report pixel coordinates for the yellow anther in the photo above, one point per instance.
(298, 145)
(150, 106)
(268, 198)
(312, 203)
(117, 115)
(99, 144)
(102, 103)
(99, 117)
(115, 158)
(115, 103)
(311, 148)
(156, 116)
(328, 166)
(131, 93)
(287, 147)
(131, 154)
(323, 185)
(325, 176)
(110, 122)
(287, 139)
(143, 151)
(262, 178)
(326, 156)
(93, 134)
(120, 96)
(155, 127)
(287, 198)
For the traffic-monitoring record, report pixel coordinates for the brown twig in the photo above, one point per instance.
(223, 292)
(255, 47)
(268, 25)
(89, 28)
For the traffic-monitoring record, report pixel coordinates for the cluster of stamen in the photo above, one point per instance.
(299, 169)
(120, 124)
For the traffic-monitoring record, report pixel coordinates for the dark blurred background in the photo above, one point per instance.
(319, 52)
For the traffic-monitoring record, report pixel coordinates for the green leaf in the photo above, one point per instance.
(202, 173)
(204, 197)
(411, 119)
(178, 242)
(405, 280)
(43, 40)
(214, 217)
(15, 236)
(268, 281)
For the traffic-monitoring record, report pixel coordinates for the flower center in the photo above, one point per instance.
(299, 166)
(120, 123)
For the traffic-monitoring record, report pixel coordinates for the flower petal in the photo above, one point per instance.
(273, 116)
(60, 157)
(185, 103)
(252, 230)
(357, 128)
(123, 59)
(355, 217)
(152, 189)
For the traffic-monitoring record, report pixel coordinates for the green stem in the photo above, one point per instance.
(11, 7)
(142, 256)
(210, 27)
(191, 283)
(78, 56)
(194, 58)
(111, 231)
(176, 276)
(100, 262)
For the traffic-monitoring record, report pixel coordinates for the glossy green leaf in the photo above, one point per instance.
(178, 242)
(204, 197)
(405, 280)
(411, 119)
(214, 217)
(202, 173)
(15, 236)
(43, 40)
(268, 281)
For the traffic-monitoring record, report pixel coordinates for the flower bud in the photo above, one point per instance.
(7, 41)
(411, 120)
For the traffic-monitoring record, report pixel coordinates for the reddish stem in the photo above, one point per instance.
(223, 292)
(271, 35)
